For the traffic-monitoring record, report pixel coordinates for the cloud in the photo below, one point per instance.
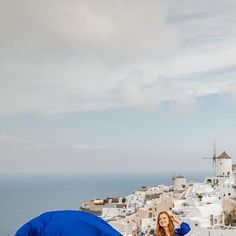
(9, 140)
(112, 30)
(186, 104)
(89, 147)
(201, 60)
(69, 56)
(137, 91)
(13, 142)
(78, 147)
(66, 56)
(232, 92)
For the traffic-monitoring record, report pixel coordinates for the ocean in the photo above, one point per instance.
(25, 197)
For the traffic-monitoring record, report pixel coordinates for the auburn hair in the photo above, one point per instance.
(160, 231)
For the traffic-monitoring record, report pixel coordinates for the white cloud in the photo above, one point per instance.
(13, 142)
(232, 92)
(111, 30)
(79, 147)
(202, 60)
(6, 140)
(67, 56)
(89, 147)
(186, 104)
(138, 91)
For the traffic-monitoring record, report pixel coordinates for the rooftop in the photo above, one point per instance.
(179, 177)
(224, 155)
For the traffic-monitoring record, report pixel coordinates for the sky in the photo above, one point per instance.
(116, 86)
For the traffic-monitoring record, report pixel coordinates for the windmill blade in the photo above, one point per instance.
(172, 180)
(214, 161)
(173, 176)
(213, 158)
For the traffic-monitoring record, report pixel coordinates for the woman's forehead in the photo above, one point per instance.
(163, 215)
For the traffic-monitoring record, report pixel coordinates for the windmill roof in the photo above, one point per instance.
(224, 155)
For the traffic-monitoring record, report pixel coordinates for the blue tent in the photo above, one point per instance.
(67, 223)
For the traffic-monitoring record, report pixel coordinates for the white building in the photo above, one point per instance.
(228, 188)
(206, 215)
(223, 165)
(234, 170)
(179, 182)
(224, 180)
(136, 199)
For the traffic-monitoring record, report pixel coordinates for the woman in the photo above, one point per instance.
(165, 225)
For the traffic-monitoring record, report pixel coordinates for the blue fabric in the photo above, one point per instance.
(183, 229)
(67, 223)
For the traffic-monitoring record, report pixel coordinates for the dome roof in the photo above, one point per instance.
(179, 177)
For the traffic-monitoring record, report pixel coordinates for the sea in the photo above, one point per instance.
(25, 197)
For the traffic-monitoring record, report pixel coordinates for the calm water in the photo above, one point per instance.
(22, 198)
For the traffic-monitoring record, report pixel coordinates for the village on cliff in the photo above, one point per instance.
(209, 207)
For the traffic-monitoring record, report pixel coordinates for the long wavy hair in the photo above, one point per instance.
(160, 230)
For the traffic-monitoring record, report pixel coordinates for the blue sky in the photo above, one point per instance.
(116, 86)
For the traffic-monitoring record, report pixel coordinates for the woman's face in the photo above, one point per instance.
(163, 220)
